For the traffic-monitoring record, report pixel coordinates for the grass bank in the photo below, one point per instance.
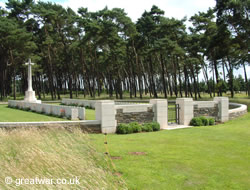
(214, 157)
(53, 154)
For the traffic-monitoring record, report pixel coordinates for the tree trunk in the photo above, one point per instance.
(152, 77)
(162, 74)
(231, 77)
(246, 80)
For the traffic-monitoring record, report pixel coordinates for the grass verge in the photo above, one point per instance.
(53, 154)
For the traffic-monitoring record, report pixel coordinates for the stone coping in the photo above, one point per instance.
(57, 122)
(205, 104)
(240, 108)
(79, 100)
(133, 105)
(4, 103)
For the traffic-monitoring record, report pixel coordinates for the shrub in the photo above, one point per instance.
(129, 129)
(88, 107)
(147, 127)
(155, 126)
(196, 121)
(122, 129)
(204, 120)
(211, 121)
(136, 127)
(26, 109)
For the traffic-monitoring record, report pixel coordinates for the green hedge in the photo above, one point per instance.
(135, 127)
(202, 121)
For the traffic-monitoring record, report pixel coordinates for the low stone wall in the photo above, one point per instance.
(72, 113)
(92, 126)
(239, 110)
(76, 102)
(206, 108)
(141, 113)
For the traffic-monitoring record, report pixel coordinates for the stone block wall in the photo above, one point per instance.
(110, 114)
(206, 108)
(86, 126)
(144, 115)
(218, 108)
(156, 110)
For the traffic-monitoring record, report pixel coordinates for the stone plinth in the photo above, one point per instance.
(31, 97)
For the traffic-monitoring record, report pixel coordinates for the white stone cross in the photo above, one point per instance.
(29, 75)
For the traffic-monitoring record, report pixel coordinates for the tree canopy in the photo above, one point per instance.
(105, 52)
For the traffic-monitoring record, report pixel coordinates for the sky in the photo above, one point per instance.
(135, 8)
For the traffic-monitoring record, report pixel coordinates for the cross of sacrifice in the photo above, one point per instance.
(29, 75)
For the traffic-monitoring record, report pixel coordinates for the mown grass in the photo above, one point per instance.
(53, 154)
(211, 158)
(15, 115)
(90, 114)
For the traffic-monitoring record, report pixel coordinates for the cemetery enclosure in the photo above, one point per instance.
(109, 113)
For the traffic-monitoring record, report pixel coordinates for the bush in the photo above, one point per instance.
(156, 126)
(147, 127)
(204, 120)
(122, 129)
(196, 121)
(129, 129)
(211, 121)
(136, 127)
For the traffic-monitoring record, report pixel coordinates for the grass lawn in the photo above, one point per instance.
(16, 115)
(90, 114)
(214, 157)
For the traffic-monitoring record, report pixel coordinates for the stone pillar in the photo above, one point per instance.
(105, 112)
(223, 105)
(160, 109)
(186, 110)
